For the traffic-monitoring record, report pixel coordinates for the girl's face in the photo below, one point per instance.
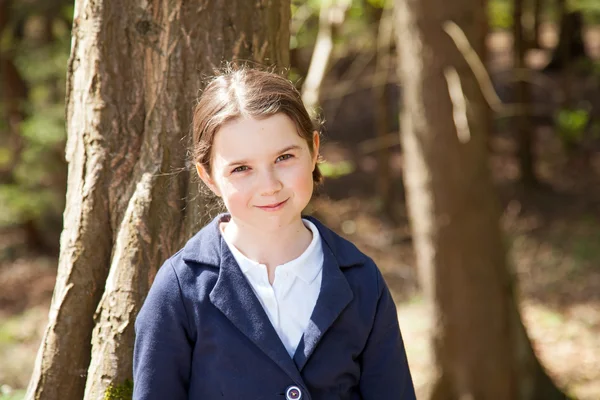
(262, 169)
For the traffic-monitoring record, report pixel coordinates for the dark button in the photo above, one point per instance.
(293, 393)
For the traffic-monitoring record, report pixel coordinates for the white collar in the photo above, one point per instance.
(306, 266)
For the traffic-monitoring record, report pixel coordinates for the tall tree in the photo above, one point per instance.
(331, 16)
(523, 126)
(481, 348)
(134, 73)
(534, 32)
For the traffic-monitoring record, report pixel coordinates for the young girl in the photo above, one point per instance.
(263, 303)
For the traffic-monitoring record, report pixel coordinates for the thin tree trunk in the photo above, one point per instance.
(331, 16)
(523, 128)
(562, 52)
(133, 76)
(538, 6)
(480, 345)
(380, 93)
(570, 48)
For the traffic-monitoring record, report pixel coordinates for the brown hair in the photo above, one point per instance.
(247, 92)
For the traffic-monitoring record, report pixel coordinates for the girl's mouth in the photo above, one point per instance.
(274, 206)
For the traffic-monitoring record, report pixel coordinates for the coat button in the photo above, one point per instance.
(293, 393)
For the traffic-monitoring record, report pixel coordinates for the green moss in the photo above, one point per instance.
(120, 392)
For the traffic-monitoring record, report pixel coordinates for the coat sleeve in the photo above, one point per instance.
(163, 349)
(384, 367)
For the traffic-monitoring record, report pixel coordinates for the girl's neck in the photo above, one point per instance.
(270, 248)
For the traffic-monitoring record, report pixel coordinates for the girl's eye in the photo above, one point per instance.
(240, 169)
(284, 157)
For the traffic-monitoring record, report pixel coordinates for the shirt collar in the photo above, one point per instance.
(306, 266)
(205, 246)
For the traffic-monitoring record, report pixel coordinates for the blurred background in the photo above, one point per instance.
(551, 212)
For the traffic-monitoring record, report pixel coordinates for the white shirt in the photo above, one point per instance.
(290, 301)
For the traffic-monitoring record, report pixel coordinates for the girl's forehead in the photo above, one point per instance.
(248, 137)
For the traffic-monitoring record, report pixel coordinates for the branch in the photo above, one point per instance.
(501, 109)
(481, 75)
(459, 104)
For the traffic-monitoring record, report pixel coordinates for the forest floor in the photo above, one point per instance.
(553, 233)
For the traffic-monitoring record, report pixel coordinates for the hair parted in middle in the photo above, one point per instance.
(243, 91)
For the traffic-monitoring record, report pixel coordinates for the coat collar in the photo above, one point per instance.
(234, 297)
(204, 247)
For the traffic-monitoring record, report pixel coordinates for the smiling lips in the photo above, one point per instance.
(273, 207)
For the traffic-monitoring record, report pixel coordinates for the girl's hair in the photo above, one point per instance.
(248, 92)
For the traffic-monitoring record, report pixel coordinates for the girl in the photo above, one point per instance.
(263, 303)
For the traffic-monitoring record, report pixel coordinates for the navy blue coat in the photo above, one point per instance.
(202, 333)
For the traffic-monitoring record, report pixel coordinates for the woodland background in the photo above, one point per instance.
(551, 211)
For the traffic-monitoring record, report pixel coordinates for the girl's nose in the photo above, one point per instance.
(270, 183)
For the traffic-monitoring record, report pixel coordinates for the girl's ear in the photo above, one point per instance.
(316, 143)
(206, 178)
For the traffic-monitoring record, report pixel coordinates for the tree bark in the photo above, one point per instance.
(480, 345)
(133, 76)
(570, 48)
(331, 17)
(385, 35)
(522, 121)
(538, 8)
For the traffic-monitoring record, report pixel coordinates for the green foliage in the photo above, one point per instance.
(305, 23)
(500, 11)
(14, 329)
(21, 203)
(6, 336)
(336, 170)
(571, 125)
(500, 14)
(46, 127)
(16, 395)
(357, 27)
(589, 8)
(380, 3)
(120, 392)
(35, 188)
(6, 157)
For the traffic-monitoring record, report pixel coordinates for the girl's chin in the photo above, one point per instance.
(268, 221)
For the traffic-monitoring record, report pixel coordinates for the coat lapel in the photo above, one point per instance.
(334, 296)
(234, 297)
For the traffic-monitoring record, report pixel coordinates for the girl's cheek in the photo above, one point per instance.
(241, 184)
(301, 178)
(238, 191)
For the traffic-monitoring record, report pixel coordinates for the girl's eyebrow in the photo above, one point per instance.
(288, 148)
(244, 162)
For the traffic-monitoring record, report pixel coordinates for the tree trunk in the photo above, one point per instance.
(331, 17)
(522, 121)
(538, 7)
(133, 76)
(570, 48)
(480, 345)
(381, 91)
